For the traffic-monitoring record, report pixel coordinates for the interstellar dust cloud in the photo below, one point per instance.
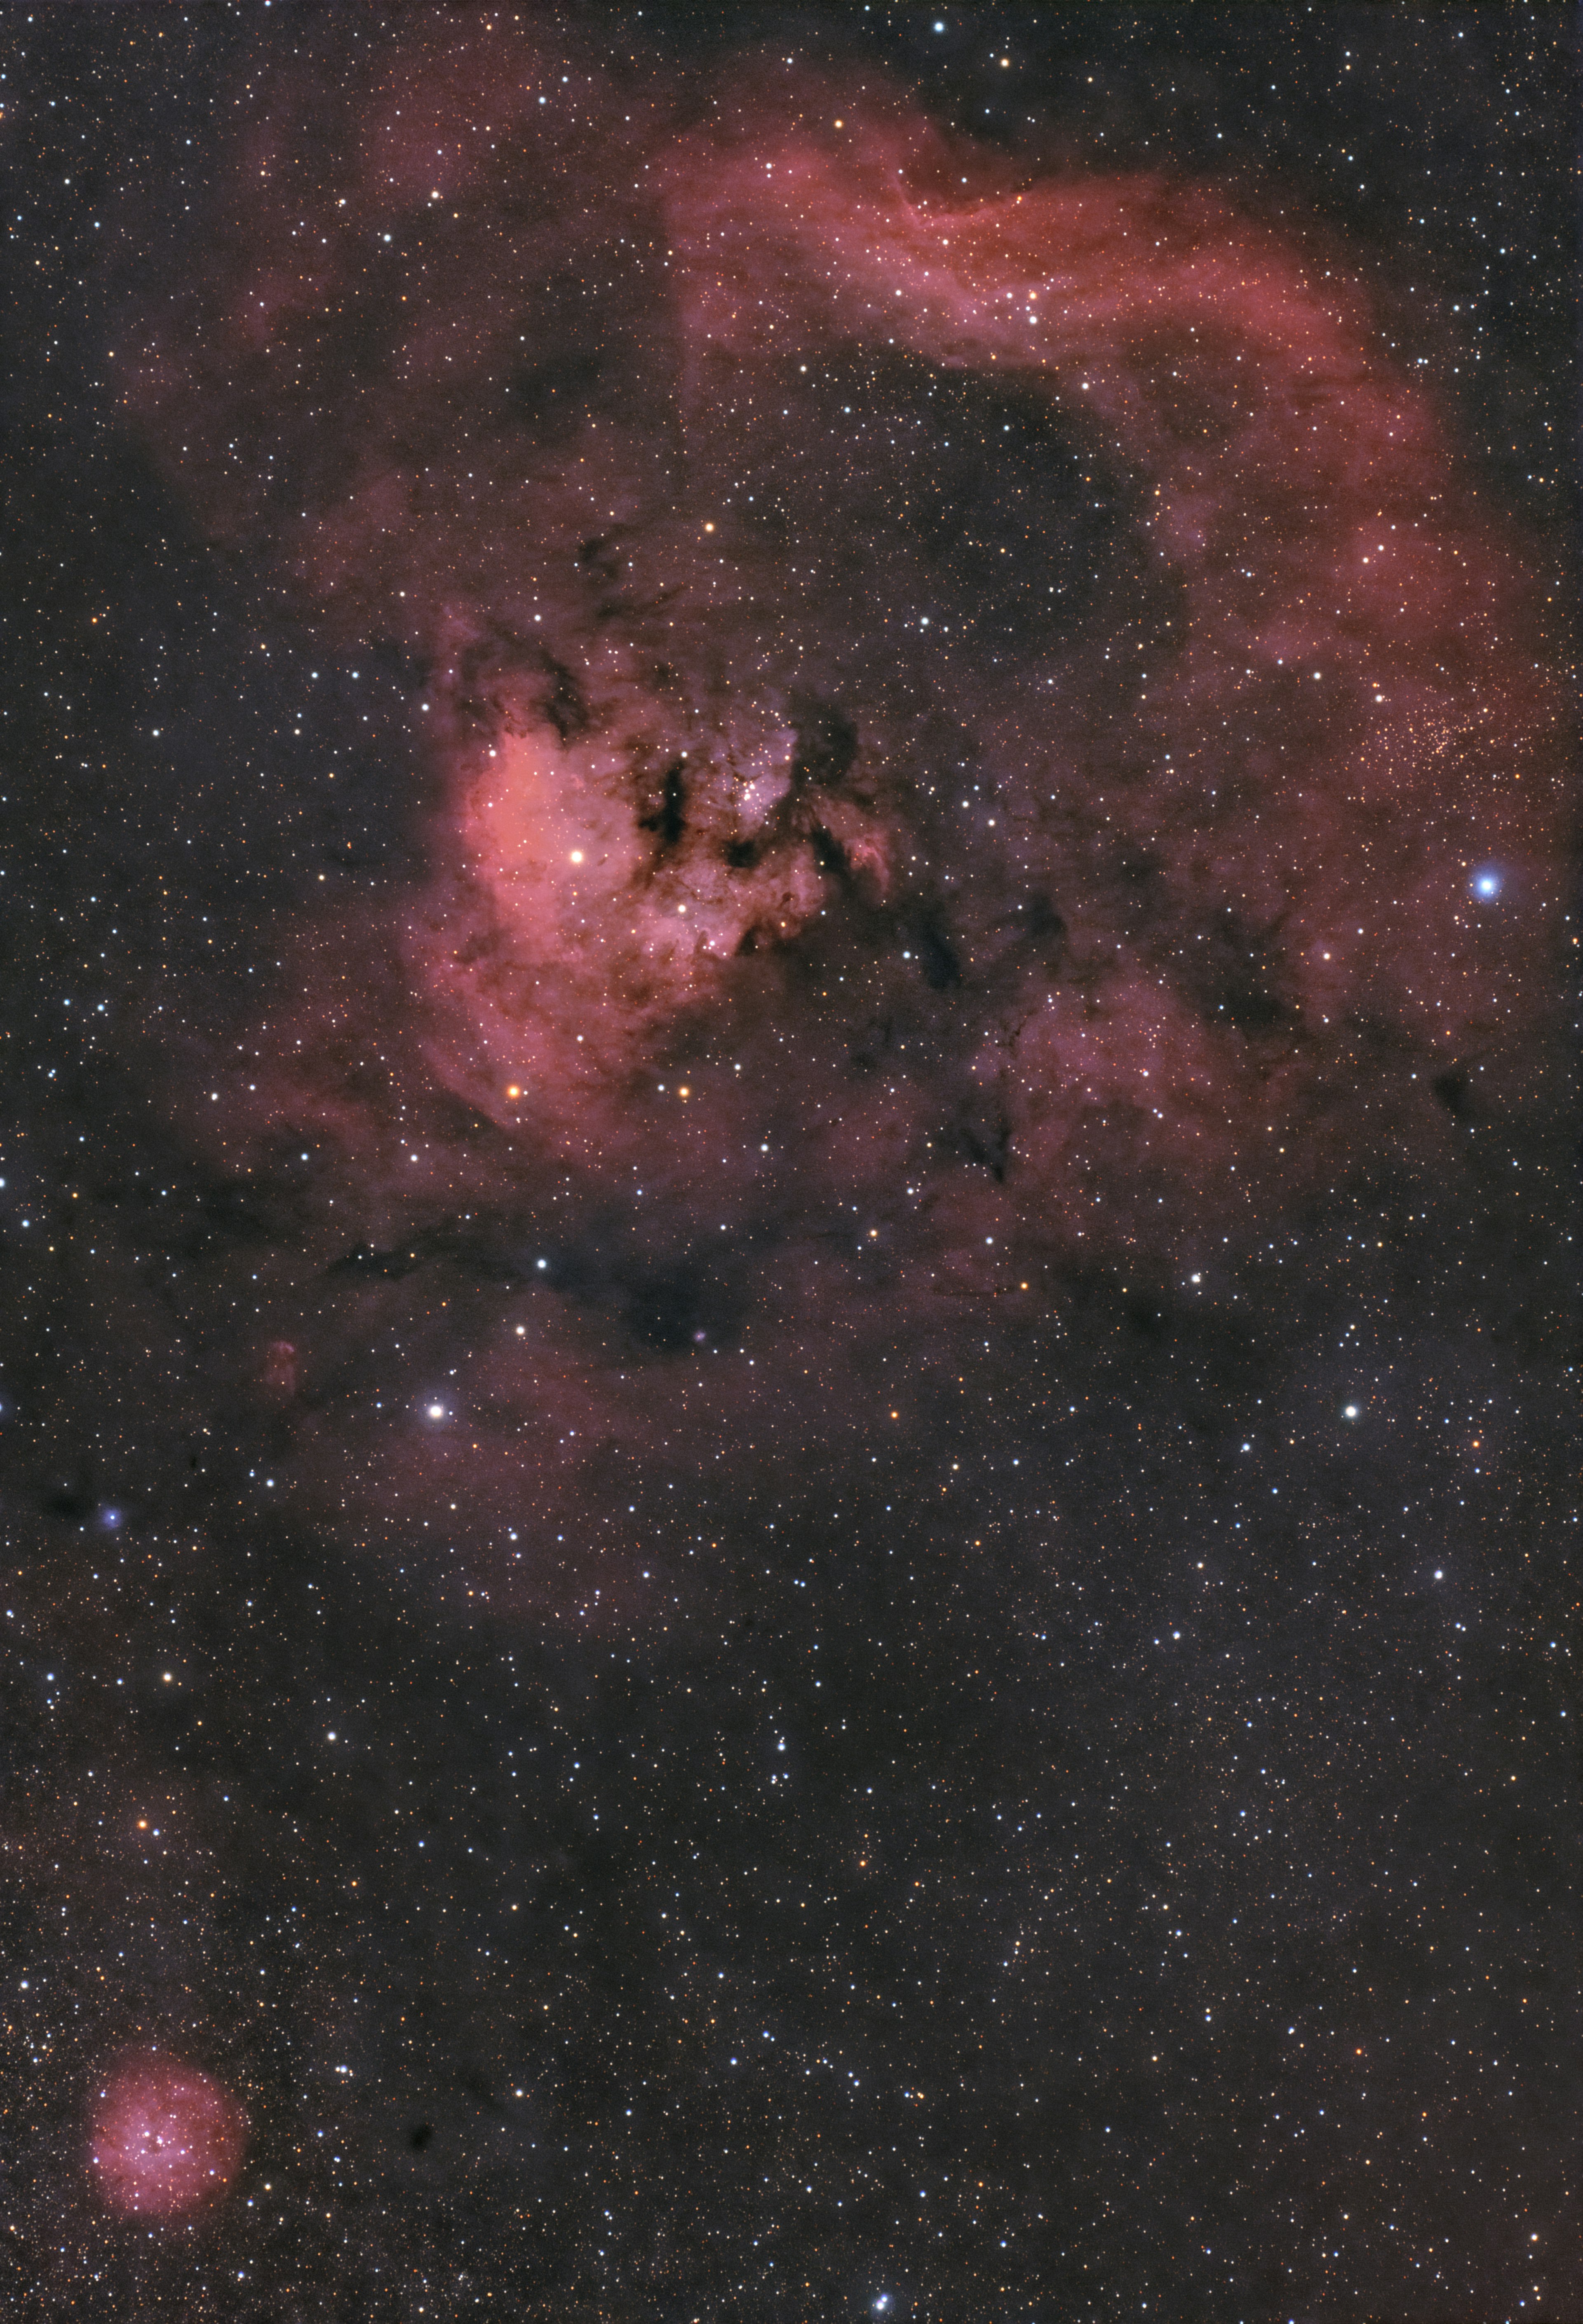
(956, 716)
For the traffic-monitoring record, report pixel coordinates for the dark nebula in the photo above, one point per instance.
(787, 1238)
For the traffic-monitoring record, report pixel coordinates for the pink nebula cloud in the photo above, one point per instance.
(959, 708)
(163, 2138)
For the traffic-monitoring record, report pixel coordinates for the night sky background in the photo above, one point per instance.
(1053, 1793)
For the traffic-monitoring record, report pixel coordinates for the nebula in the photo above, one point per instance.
(965, 718)
(163, 2138)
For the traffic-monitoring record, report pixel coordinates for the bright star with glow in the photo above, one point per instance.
(1486, 884)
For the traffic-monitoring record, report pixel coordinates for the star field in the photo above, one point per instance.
(787, 1215)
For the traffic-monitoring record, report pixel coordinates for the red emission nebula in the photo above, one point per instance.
(163, 2138)
(964, 713)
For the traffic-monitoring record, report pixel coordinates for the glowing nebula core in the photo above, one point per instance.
(960, 705)
(163, 2138)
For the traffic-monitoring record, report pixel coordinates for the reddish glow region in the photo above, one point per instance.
(1293, 770)
(961, 712)
(163, 2138)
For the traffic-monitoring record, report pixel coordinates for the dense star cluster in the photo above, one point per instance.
(789, 1288)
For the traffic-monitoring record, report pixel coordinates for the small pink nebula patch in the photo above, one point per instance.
(163, 2138)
